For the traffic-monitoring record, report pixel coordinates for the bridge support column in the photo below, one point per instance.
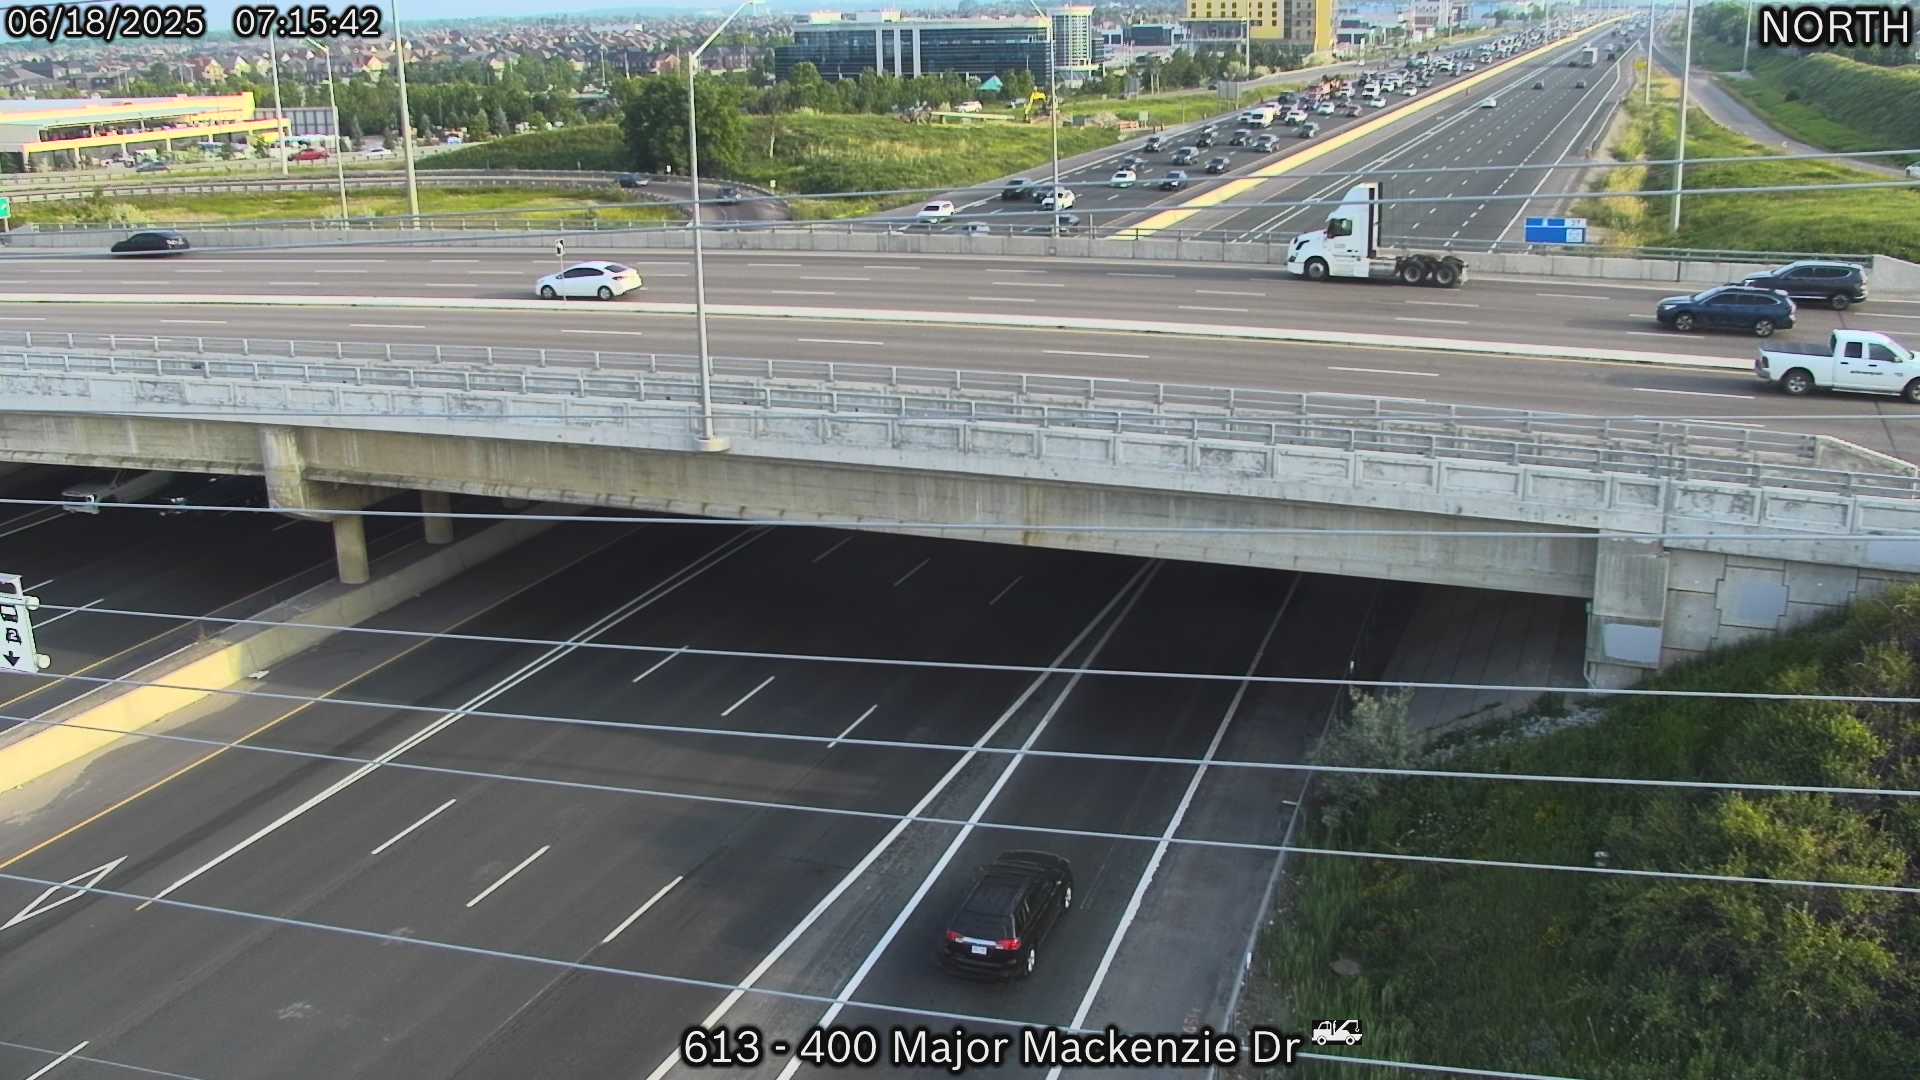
(350, 549)
(439, 529)
(1626, 620)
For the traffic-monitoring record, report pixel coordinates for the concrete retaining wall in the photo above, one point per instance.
(110, 713)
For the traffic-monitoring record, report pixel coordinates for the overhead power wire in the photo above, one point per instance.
(855, 525)
(586, 967)
(650, 727)
(922, 819)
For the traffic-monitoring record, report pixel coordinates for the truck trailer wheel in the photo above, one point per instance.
(1796, 382)
(1412, 272)
(1912, 392)
(1446, 275)
(1316, 270)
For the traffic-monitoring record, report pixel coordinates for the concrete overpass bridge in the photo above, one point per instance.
(1681, 537)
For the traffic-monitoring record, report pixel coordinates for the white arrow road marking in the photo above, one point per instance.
(41, 907)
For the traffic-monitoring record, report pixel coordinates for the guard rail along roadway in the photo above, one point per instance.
(1683, 537)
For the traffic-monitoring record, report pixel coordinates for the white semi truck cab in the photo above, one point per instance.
(1349, 247)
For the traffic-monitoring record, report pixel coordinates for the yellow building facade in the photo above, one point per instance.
(1307, 23)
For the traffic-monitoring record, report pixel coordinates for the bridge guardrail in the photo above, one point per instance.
(1685, 438)
(777, 400)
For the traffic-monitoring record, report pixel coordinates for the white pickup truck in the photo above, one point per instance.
(1858, 361)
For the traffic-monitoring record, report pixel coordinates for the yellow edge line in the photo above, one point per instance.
(1167, 219)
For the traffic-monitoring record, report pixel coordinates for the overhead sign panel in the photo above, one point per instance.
(17, 652)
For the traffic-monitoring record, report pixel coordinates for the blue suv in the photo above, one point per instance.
(1728, 307)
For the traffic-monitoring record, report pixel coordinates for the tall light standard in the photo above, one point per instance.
(333, 105)
(1680, 146)
(1746, 42)
(1650, 20)
(1053, 114)
(406, 116)
(273, 61)
(708, 440)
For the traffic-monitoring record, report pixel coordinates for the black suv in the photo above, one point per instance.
(1016, 189)
(1836, 284)
(1729, 307)
(1013, 904)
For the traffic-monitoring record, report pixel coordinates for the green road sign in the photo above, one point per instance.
(6, 207)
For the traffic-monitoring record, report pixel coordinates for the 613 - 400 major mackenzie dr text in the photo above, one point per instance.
(957, 1050)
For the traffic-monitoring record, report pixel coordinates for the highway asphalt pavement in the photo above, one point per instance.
(576, 870)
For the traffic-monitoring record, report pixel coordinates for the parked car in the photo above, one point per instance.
(1728, 307)
(153, 242)
(1010, 909)
(1173, 181)
(600, 279)
(312, 153)
(152, 166)
(1016, 189)
(379, 153)
(1835, 284)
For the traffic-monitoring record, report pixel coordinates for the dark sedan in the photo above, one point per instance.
(1173, 181)
(1730, 307)
(158, 242)
(1219, 165)
(1012, 905)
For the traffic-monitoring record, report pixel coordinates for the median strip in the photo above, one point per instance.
(922, 318)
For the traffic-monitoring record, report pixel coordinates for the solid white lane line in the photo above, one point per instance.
(1439, 303)
(1005, 590)
(195, 322)
(524, 863)
(1385, 371)
(772, 266)
(1571, 296)
(892, 268)
(749, 697)
(973, 820)
(1651, 333)
(56, 1062)
(824, 277)
(1192, 307)
(1437, 322)
(642, 909)
(839, 341)
(1029, 284)
(342, 271)
(54, 515)
(1227, 292)
(662, 662)
(1132, 909)
(902, 579)
(609, 333)
(850, 727)
(1639, 315)
(836, 547)
(386, 326)
(668, 585)
(1103, 355)
(402, 834)
(49, 622)
(1010, 270)
(1692, 393)
(1124, 273)
(442, 284)
(42, 585)
(294, 283)
(199, 271)
(1882, 315)
(806, 924)
(1004, 299)
(499, 273)
(456, 260)
(22, 318)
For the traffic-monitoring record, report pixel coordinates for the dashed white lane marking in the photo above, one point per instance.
(456, 260)
(749, 696)
(1437, 322)
(1571, 296)
(836, 547)
(70, 611)
(1439, 303)
(840, 341)
(1004, 299)
(824, 277)
(642, 909)
(1005, 590)
(609, 333)
(1191, 307)
(194, 322)
(1385, 371)
(1226, 292)
(1693, 393)
(850, 727)
(56, 1062)
(1103, 355)
(662, 662)
(295, 284)
(902, 579)
(775, 266)
(1029, 284)
(21, 318)
(1124, 273)
(403, 833)
(339, 271)
(524, 863)
(386, 326)
(800, 292)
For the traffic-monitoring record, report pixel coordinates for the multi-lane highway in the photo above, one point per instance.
(579, 870)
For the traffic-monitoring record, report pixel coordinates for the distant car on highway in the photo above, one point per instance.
(152, 166)
(1154, 144)
(1173, 181)
(1016, 189)
(1011, 907)
(1835, 284)
(1354, 110)
(1266, 143)
(975, 228)
(1728, 307)
(1375, 101)
(1240, 136)
(154, 242)
(1308, 131)
(1539, 85)
(1860, 361)
(1913, 171)
(933, 212)
(633, 180)
(729, 196)
(1490, 103)
(378, 153)
(1061, 198)
(1580, 85)
(1186, 155)
(1325, 108)
(1218, 165)
(604, 280)
(1124, 178)
(1205, 140)
(312, 153)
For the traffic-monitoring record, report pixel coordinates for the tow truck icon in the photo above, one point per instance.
(1326, 1031)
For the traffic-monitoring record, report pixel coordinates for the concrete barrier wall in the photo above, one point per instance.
(109, 714)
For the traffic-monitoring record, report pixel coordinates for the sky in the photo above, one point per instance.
(219, 12)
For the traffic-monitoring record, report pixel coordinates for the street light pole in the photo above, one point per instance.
(273, 62)
(1053, 114)
(339, 157)
(1680, 147)
(1746, 42)
(708, 441)
(406, 116)
(1650, 20)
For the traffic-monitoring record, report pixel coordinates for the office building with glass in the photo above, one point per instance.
(843, 46)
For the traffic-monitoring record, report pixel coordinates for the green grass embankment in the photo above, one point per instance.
(302, 205)
(1826, 101)
(1623, 978)
(1885, 221)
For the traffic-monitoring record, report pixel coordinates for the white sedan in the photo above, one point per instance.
(1059, 199)
(1124, 178)
(602, 279)
(1914, 171)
